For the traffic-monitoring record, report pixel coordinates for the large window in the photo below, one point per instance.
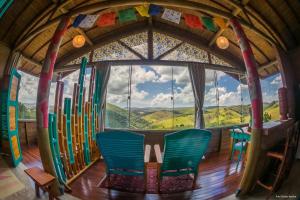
(226, 100)
(269, 87)
(149, 97)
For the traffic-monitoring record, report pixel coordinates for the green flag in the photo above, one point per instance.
(127, 15)
(209, 24)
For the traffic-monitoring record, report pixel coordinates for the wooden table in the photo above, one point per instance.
(41, 180)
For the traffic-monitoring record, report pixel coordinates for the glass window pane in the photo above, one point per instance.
(184, 101)
(117, 98)
(151, 104)
(269, 87)
(226, 100)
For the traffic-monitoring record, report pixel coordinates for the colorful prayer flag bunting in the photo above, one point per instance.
(88, 21)
(220, 22)
(154, 10)
(143, 10)
(127, 15)
(107, 19)
(193, 21)
(171, 15)
(209, 24)
(78, 20)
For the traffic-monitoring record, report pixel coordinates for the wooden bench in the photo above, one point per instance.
(41, 180)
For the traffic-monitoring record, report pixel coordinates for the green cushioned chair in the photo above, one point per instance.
(240, 140)
(123, 153)
(182, 154)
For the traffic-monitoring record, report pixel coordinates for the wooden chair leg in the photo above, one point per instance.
(108, 181)
(195, 181)
(37, 190)
(158, 178)
(145, 178)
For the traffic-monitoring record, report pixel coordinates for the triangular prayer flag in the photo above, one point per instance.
(193, 21)
(127, 15)
(143, 10)
(107, 19)
(88, 21)
(171, 15)
(220, 22)
(78, 20)
(209, 24)
(154, 10)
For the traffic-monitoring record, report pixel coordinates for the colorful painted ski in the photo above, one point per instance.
(54, 145)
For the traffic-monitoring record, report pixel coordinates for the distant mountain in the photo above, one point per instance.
(162, 118)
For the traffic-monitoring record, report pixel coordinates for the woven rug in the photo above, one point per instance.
(9, 183)
(136, 183)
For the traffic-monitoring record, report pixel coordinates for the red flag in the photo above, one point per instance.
(107, 19)
(193, 21)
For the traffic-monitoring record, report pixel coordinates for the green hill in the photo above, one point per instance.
(162, 118)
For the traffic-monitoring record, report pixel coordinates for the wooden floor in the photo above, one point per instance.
(218, 178)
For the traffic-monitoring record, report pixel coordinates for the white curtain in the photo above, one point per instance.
(102, 77)
(197, 76)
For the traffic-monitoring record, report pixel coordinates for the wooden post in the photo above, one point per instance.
(250, 175)
(43, 101)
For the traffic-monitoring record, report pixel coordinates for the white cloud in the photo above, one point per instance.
(277, 81)
(226, 98)
(162, 100)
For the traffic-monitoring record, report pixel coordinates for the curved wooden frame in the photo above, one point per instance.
(48, 67)
(159, 27)
(174, 3)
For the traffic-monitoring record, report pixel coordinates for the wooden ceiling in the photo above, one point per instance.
(28, 26)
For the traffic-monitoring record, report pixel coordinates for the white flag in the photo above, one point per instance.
(171, 15)
(88, 21)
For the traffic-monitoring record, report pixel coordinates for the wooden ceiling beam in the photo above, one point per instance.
(235, 13)
(12, 25)
(283, 20)
(169, 51)
(194, 39)
(104, 39)
(174, 3)
(38, 20)
(150, 39)
(167, 29)
(131, 50)
(30, 60)
(267, 65)
(261, 20)
(151, 62)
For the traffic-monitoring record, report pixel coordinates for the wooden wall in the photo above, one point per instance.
(220, 137)
(27, 132)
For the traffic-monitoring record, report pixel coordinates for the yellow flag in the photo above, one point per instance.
(143, 10)
(220, 22)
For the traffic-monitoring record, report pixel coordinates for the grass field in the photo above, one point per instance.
(162, 118)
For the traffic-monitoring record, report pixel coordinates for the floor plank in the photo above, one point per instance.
(218, 178)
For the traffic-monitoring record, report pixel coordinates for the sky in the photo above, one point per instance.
(152, 87)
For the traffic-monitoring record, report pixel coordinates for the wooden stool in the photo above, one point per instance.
(282, 158)
(41, 180)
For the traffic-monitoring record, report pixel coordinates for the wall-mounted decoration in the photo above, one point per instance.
(209, 23)
(127, 15)
(9, 116)
(143, 10)
(193, 21)
(171, 15)
(107, 19)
